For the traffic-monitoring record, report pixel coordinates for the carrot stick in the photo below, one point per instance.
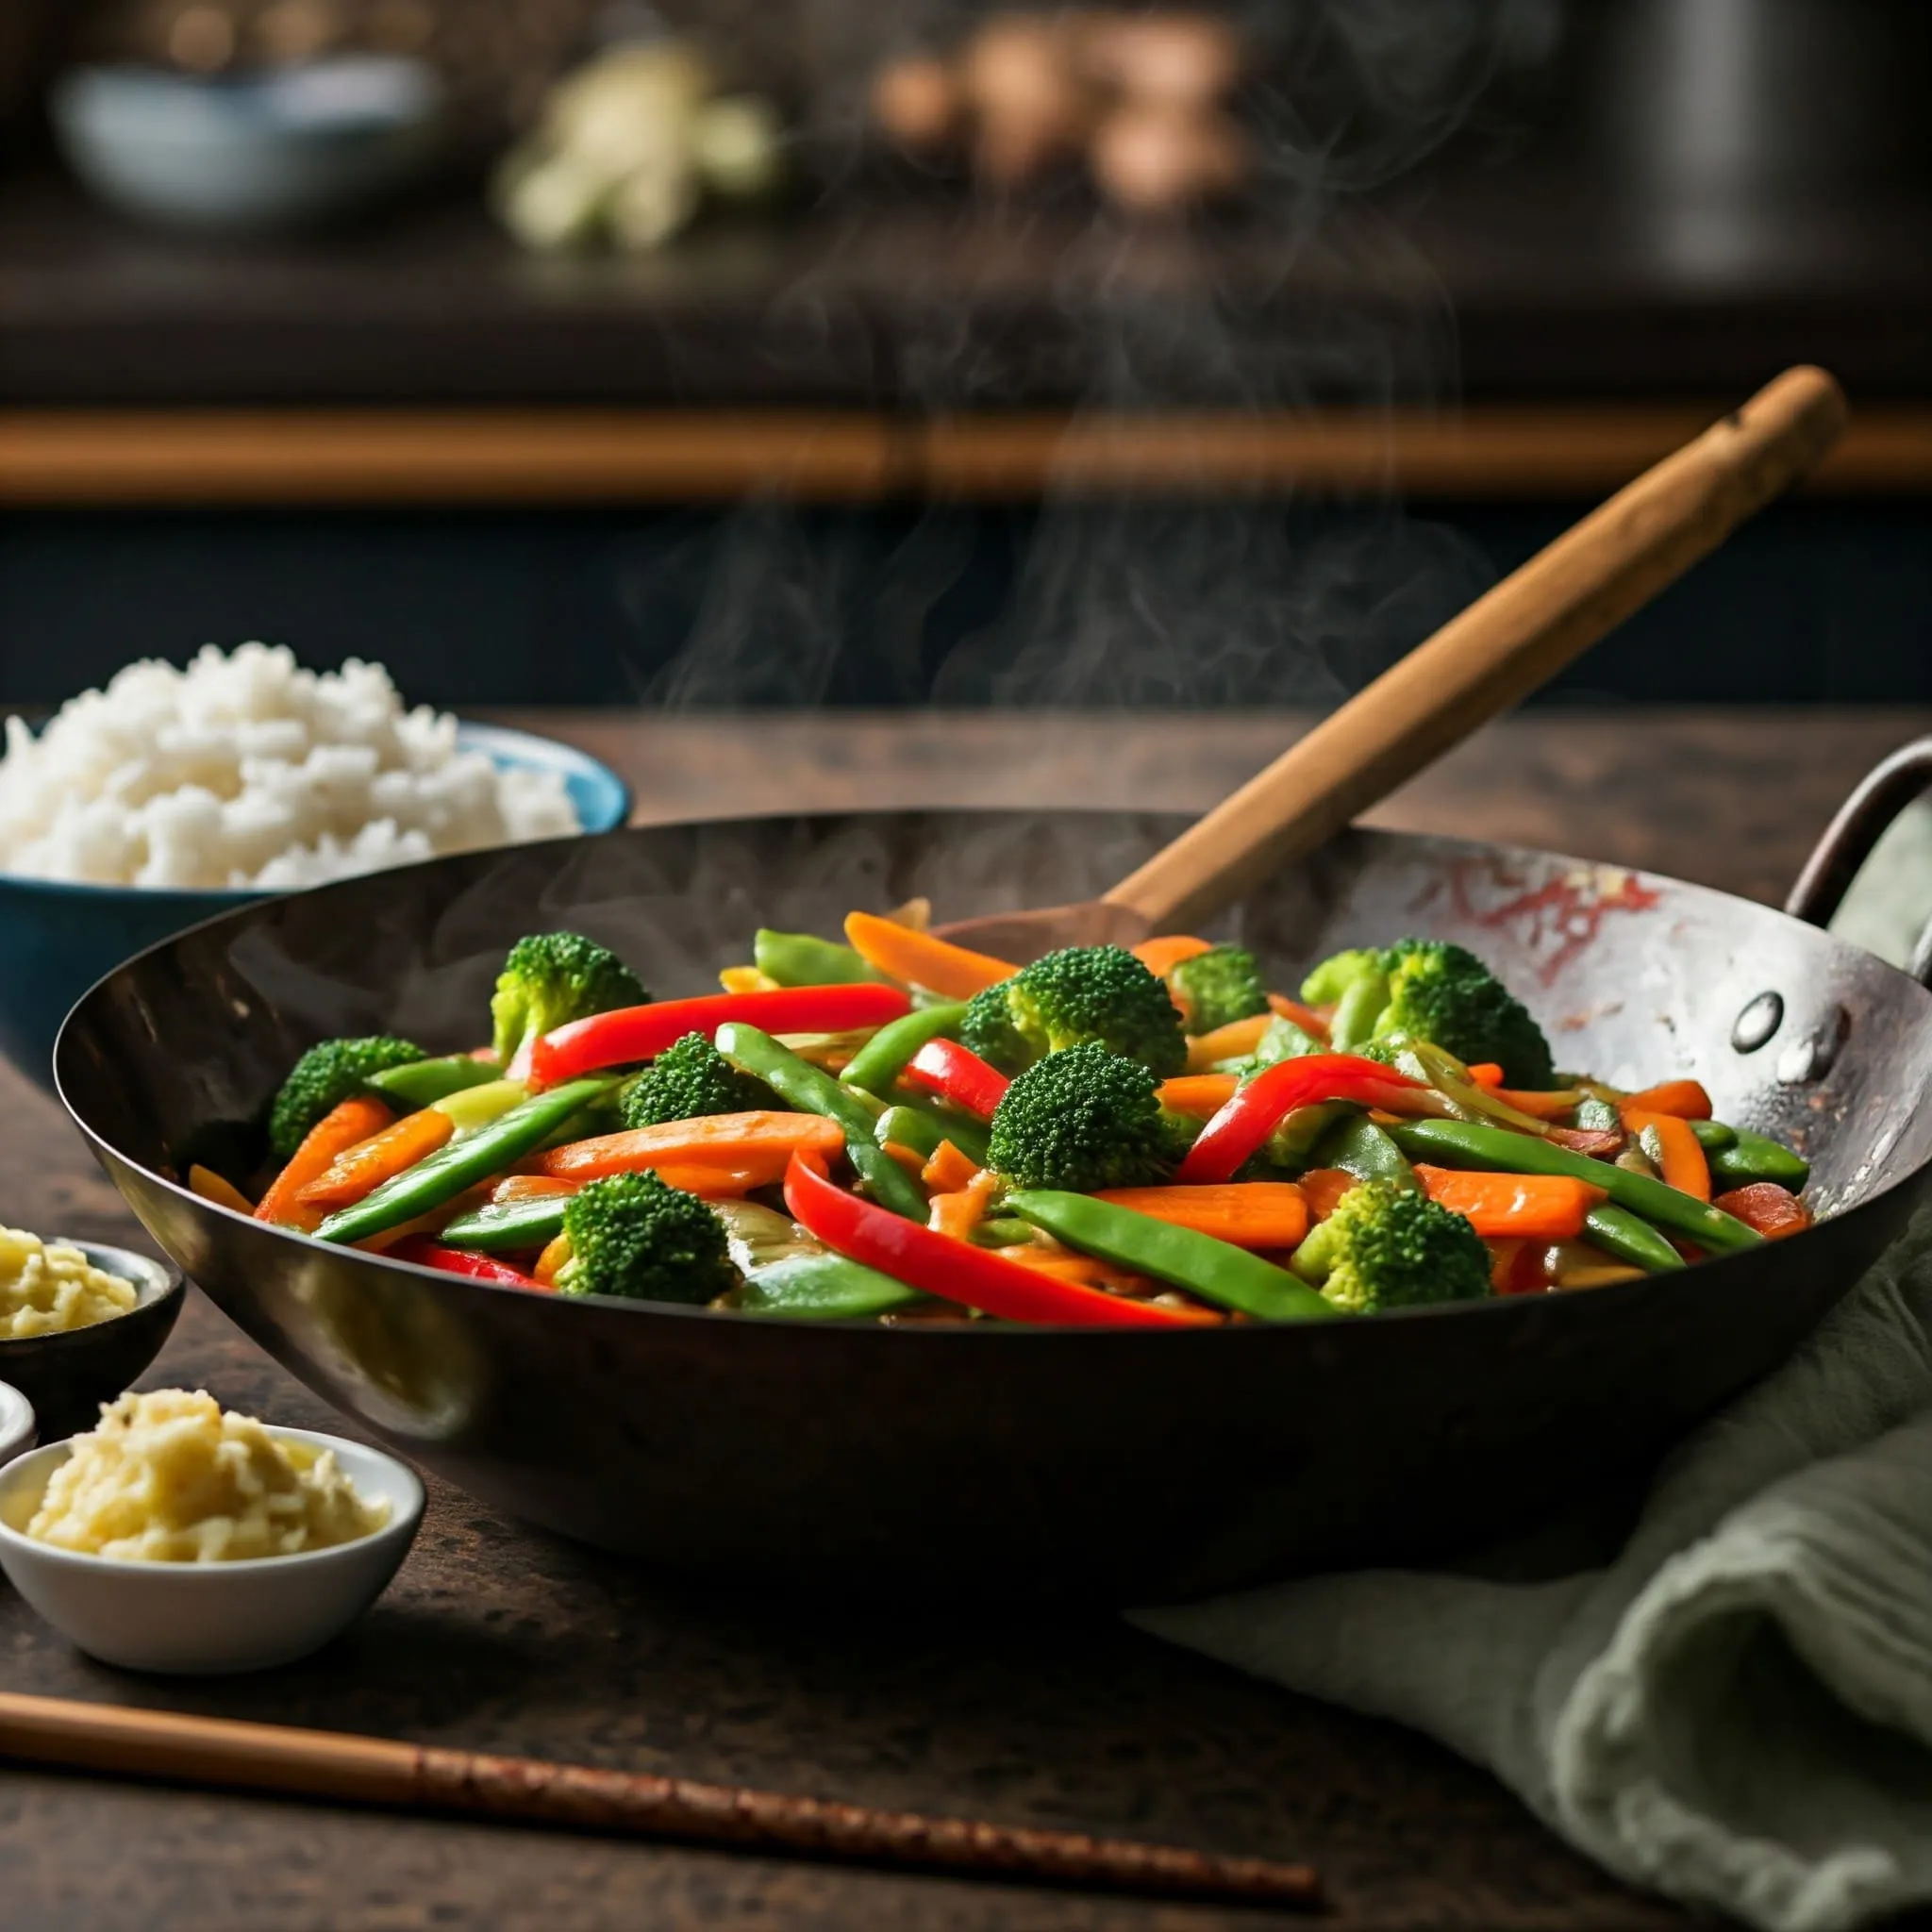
(527, 1187)
(1161, 956)
(1486, 1073)
(764, 1142)
(1312, 1020)
(1682, 1159)
(1503, 1256)
(1200, 1096)
(920, 959)
(210, 1186)
(948, 1171)
(1248, 1214)
(338, 1131)
(1687, 1099)
(1322, 1189)
(1532, 1207)
(1229, 1042)
(1552, 1105)
(364, 1168)
(958, 1213)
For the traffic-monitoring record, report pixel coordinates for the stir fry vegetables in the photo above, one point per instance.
(897, 1130)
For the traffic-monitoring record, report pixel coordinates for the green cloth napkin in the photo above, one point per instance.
(1736, 1707)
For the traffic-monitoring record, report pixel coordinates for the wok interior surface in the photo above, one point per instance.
(1121, 1466)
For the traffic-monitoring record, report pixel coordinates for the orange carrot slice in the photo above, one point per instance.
(910, 1159)
(527, 1187)
(1552, 1105)
(1322, 1189)
(1229, 1042)
(210, 1186)
(958, 1213)
(764, 1142)
(551, 1260)
(1687, 1099)
(1679, 1156)
(1529, 1207)
(363, 1169)
(1312, 1020)
(1248, 1214)
(948, 1171)
(1200, 1096)
(1486, 1073)
(918, 958)
(353, 1122)
(1161, 956)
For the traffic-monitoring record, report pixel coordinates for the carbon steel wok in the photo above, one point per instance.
(1118, 1466)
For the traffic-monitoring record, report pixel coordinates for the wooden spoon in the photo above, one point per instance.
(1494, 654)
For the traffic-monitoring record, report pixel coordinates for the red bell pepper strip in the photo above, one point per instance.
(1256, 1109)
(956, 1073)
(953, 1270)
(640, 1033)
(426, 1253)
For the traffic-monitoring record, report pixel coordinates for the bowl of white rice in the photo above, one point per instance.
(173, 795)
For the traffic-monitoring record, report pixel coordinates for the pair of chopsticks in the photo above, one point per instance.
(386, 1775)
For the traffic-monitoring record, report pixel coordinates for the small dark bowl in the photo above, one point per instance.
(67, 1376)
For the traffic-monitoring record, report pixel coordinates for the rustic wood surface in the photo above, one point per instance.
(500, 1638)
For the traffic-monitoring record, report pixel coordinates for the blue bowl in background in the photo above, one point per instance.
(56, 940)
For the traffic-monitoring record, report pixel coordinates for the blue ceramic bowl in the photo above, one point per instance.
(259, 151)
(57, 939)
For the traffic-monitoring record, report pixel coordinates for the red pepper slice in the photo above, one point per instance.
(1256, 1109)
(640, 1033)
(1773, 1212)
(431, 1254)
(955, 1270)
(956, 1073)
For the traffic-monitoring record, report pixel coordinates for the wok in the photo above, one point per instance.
(1120, 1466)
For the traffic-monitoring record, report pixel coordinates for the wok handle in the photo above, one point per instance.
(1862, 820)
(1508, 642)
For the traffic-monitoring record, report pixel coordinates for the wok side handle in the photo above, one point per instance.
(1861, 822)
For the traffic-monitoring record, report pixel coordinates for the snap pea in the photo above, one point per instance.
(1360, 1147)
(877, 1064)
(788, 1273)
(1713, 1136)
(811, 1091)
(1459, 1144)
(923, 1128)
(422, 1083)
(799, 959)
(461, 1163)
(472, 1108)
(1214, 1269)
(1758, 1158)
(509, 1227)
(1358, 1010)
(1628, 1236)
(1002, 1231)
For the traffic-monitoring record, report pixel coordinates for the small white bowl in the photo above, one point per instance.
(16, 1424)
(210, 1619)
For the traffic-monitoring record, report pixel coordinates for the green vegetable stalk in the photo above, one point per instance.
(877, 1065)
(799, 959)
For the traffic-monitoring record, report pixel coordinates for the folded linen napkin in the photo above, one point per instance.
(1736, 1707)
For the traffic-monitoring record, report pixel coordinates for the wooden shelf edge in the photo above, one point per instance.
(103, 459)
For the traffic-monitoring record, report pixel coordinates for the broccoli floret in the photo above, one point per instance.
(1436, 990)
(1445, 994)
(1085, 1119)
(1387, 1246)
(552, 979)
(1219, 987)
(323, 1078)
(689, 1078)
(636, 1235)
(1097, 993)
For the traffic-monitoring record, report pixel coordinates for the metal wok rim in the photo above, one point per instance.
(1494, 1307)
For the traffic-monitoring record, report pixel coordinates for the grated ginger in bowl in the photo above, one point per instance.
(171, 1477)
(246, 771)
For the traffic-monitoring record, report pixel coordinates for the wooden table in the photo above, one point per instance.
(503, 1638)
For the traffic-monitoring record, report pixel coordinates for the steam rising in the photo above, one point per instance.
(1310, 296)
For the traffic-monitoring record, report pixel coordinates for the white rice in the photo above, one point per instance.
(245, 770)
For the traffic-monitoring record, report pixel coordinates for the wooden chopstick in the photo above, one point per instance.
(392, 1776)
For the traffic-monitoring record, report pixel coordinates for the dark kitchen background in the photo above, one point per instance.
(839, 351)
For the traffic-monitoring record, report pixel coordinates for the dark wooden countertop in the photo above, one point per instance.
(502, 1637)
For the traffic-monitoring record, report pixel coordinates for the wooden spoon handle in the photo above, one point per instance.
(1499, 650)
